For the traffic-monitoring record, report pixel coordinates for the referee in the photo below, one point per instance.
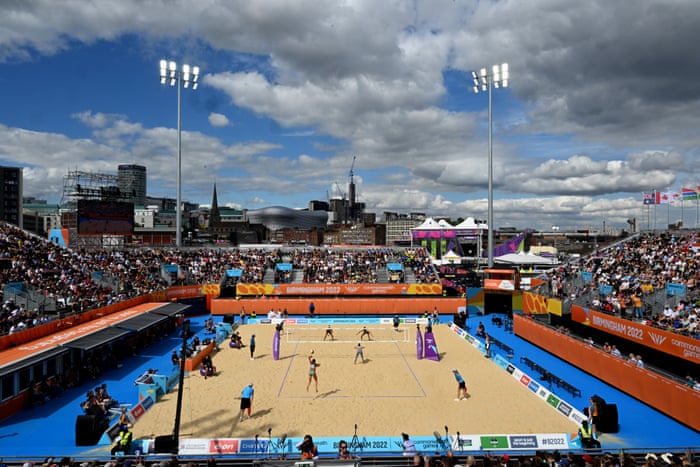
(246, 401)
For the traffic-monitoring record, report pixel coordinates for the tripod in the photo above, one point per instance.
(279, 445)
(269, 441)
(354, 442)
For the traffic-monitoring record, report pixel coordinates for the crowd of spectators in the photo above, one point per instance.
(84, 279)
(348, 266)
(616, 280)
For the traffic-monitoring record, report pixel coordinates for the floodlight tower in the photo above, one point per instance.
(483, 82)
(170, 74)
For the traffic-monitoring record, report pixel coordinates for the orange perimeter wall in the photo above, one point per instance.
(675, 400)
(51, 327)
(338, 306)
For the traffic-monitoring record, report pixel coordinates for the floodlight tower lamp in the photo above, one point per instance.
(484, 82)
(180, 78)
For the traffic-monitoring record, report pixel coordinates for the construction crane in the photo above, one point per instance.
(352, 175)
(340, 190)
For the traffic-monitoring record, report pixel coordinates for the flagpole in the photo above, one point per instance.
(682, 212)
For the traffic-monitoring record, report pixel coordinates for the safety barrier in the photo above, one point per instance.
(670, 397)
(550, 377)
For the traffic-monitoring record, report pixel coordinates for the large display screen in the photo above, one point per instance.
(105, 218)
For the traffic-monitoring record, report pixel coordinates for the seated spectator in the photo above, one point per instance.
(208, 368)
(308, 449)
(175, 358)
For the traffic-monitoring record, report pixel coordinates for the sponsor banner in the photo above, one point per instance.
(223, 446)
(547, 396)
(328, 320)
(401, 320)
(465, 335)
(276, 345)
(494, 442)
(253, 446)
(522, 442)
(669, 342)
(552, 441)
(337, 289)
(374, 444)
(430, 350)
(419, 344)
(183, 291)
(462, 442)
(499, 284)
(194, 446)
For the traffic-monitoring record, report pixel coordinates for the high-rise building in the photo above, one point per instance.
(132, 183)
(11, 195)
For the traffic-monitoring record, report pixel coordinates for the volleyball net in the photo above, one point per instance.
(305, 334)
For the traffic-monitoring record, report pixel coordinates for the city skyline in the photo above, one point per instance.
(297, 97)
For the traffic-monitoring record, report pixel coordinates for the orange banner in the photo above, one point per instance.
(670, 397)
(535, 304)
(338, 289)
(655, 338)
(338, 306)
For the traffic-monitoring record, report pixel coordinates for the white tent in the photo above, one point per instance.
(451, 257)
(525, 259)
(429, 224)
(469, 223)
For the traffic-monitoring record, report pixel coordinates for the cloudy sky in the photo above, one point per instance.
(603, 103)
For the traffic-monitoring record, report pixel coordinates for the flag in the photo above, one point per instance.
(662, 197)
(430, 350)
(419, 343)
(648, 198)
(689, 193)
(674, 197)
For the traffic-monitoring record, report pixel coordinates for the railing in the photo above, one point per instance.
(630, 456)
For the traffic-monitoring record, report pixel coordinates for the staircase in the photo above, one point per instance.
(297, 276)
(269, 277)
(408, 276)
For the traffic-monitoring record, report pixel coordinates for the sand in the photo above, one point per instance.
(392, 392)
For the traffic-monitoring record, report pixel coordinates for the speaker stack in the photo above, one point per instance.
(165, 444)
(88, 430)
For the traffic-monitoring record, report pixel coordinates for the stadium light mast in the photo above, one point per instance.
(184, 77)
(484, 82)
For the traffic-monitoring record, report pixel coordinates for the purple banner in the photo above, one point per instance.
(276, 345)
(431, 350)
(419, 343)
(513, 245)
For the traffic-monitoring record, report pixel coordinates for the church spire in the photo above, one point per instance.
(214, 216)
(215, 200)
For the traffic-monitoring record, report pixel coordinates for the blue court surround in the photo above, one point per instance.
(49, 430)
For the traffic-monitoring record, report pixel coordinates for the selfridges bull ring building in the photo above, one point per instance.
(278, 218)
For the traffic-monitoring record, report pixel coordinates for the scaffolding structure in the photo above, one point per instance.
(79, 185)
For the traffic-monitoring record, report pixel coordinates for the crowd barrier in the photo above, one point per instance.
(676, 400)
(339, 306)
